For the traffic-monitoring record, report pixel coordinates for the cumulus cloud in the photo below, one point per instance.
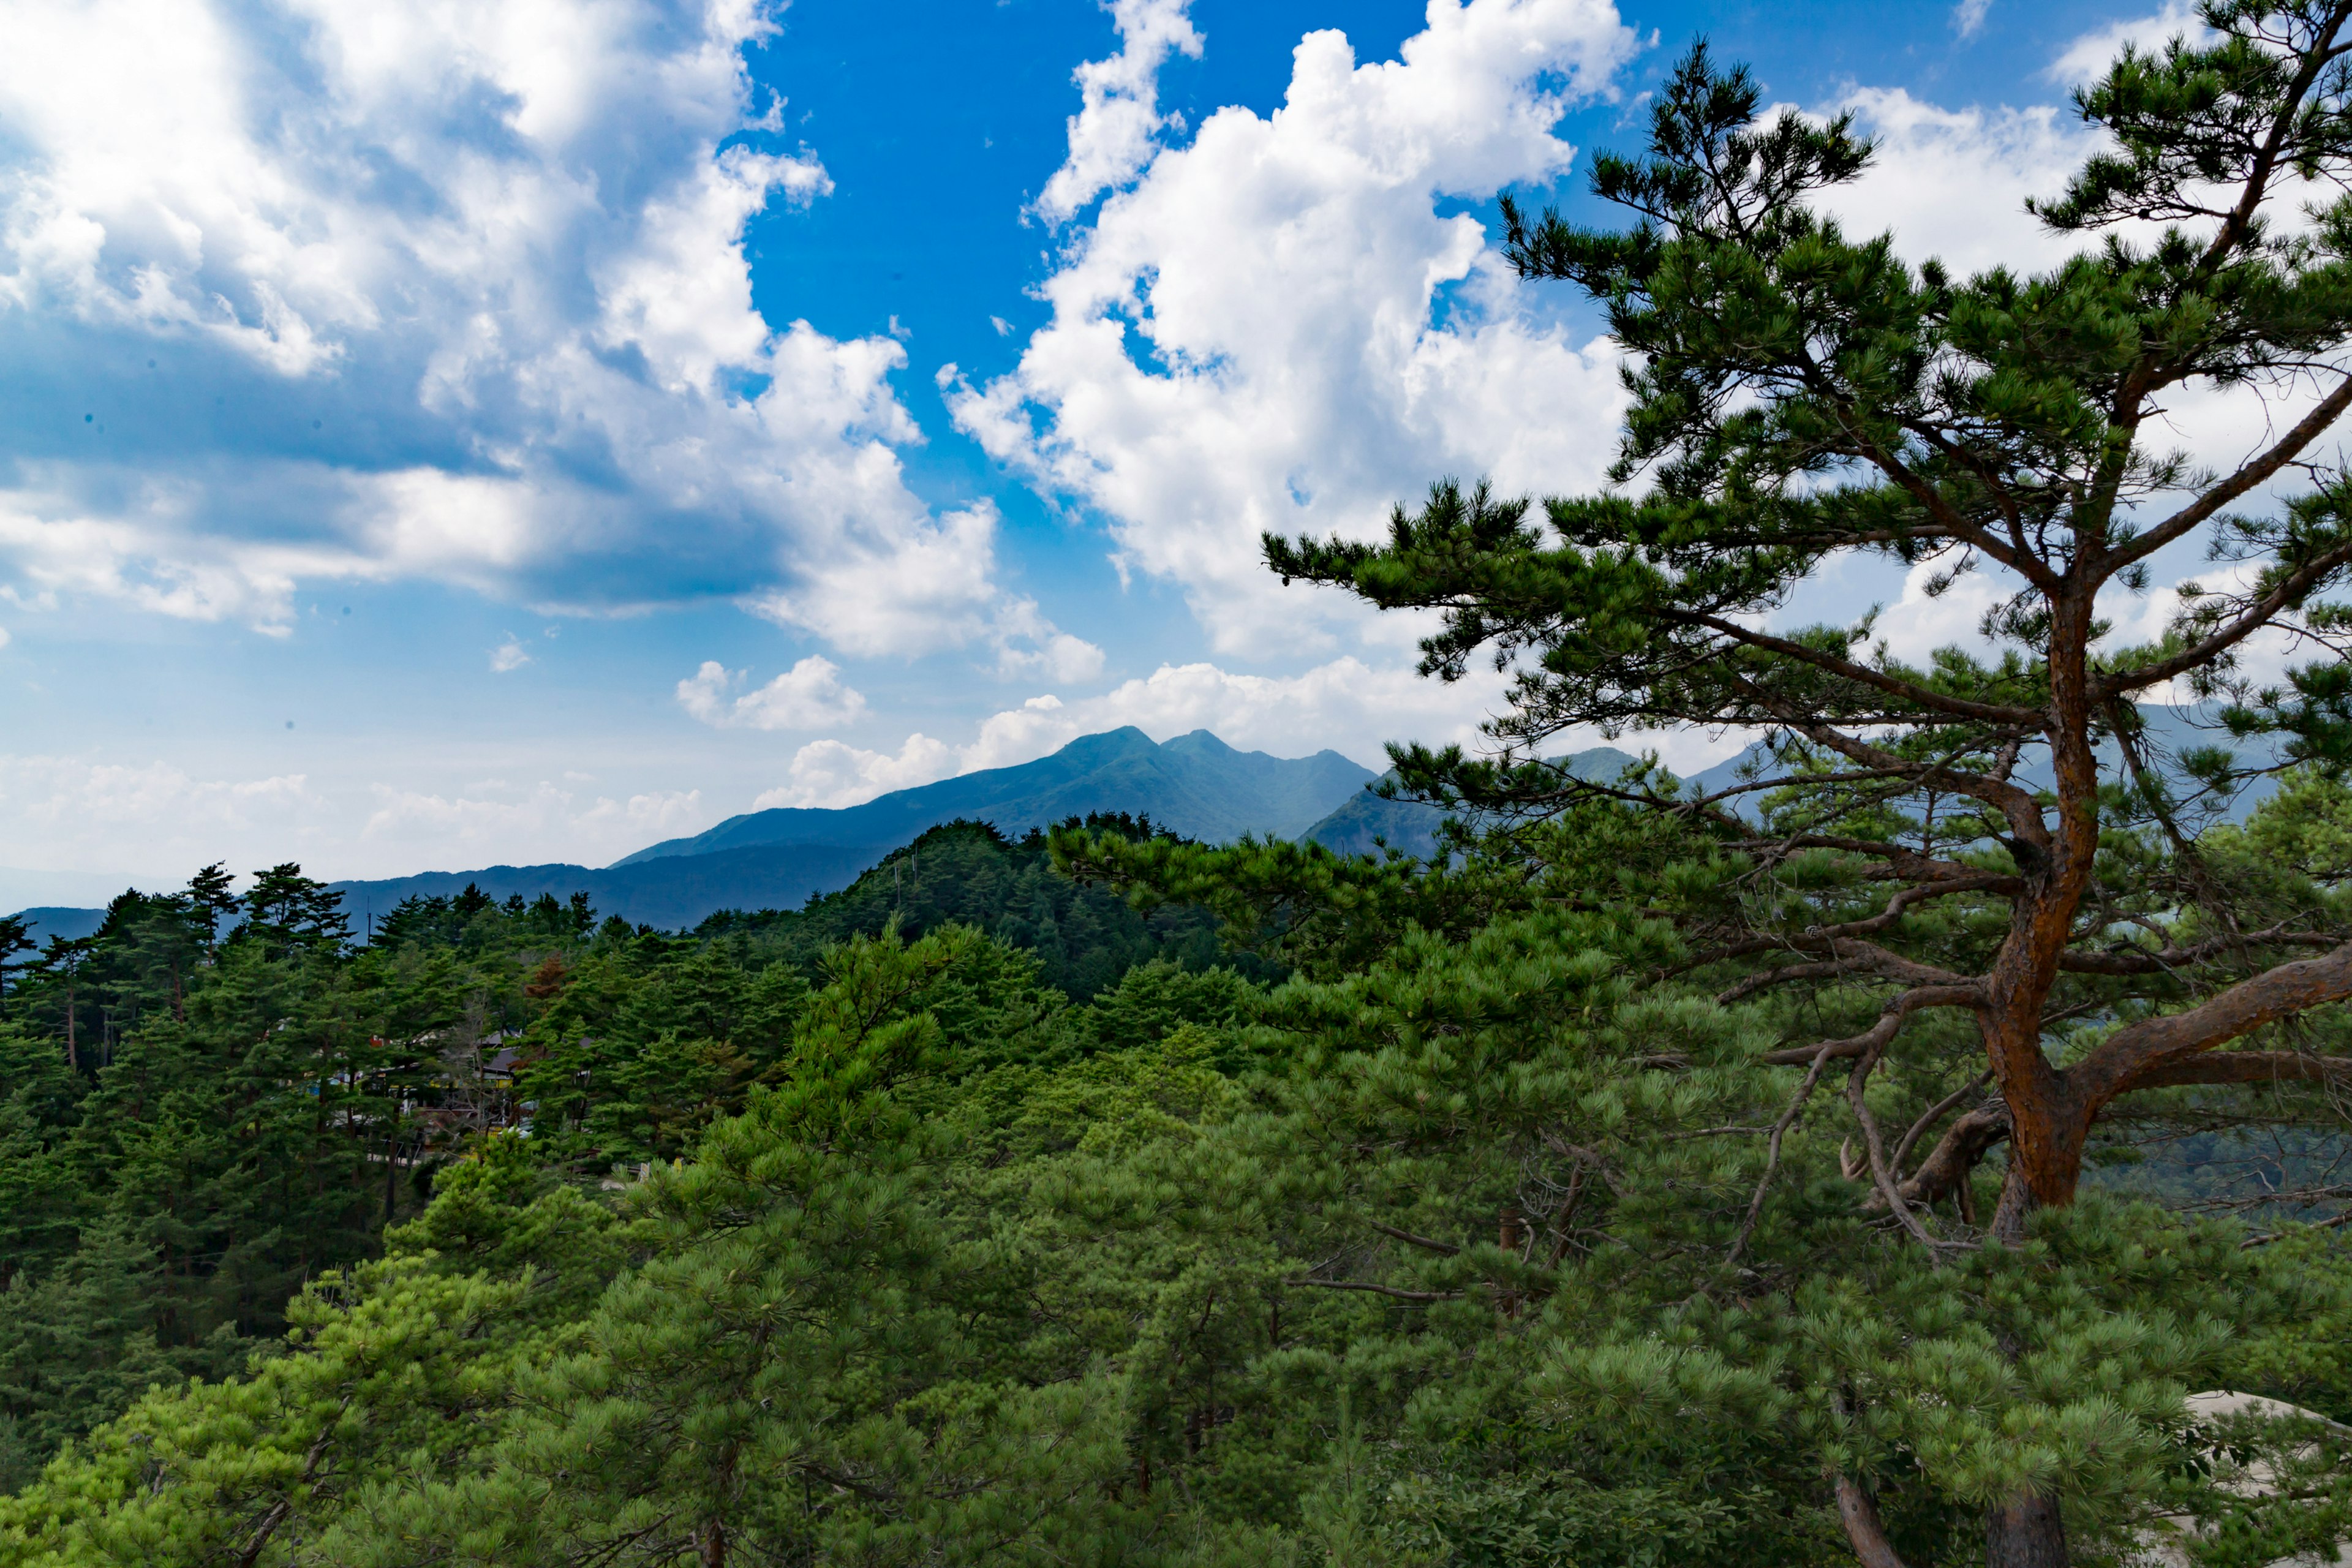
(809, 696)
(496, 820)
(1271, 326)
(510, 655)
(452, 292)
(1952, 183)
(62, 814)
(830, 774)
(1114, 133)
(2087, 57)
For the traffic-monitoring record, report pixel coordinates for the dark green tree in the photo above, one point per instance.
(209, 890)
(60, 969)
(15, 936)
(286, 912)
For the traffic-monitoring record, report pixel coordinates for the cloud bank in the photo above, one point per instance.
(318, 292)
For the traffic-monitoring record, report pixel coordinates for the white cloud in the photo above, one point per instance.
(495, 820)
(1115, 131)
(3, 636)
(64, 813)
(809, 696)
(1272, 328)
(829, 773)
(472, 279)
(1969, 17)
(1952, 183)
(1345, 705)
(510, 655)
(2088, 57)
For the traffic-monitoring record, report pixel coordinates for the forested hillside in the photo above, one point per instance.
(216, 1099)
(843, 1235)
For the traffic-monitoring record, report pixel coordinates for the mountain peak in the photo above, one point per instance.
(1195, 785)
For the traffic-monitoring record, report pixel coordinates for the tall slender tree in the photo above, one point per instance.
(2009, 836)
(15, 936)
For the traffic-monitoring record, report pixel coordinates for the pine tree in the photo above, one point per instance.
(15, 936)
(1799, 395)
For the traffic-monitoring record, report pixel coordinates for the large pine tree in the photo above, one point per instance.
(2007, 836)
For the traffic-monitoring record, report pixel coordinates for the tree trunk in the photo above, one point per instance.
(1858, 1511)
(2025, 1532)
(391, 1169)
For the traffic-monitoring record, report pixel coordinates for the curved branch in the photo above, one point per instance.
(2140, 960)
(2241, 1066)
(1861, 674)
(2261, 614)
(1967, 994)
(2133, 1054)
(1935, 1113)
(1388, 1290)
(1857, 1085)
(2205, 508)
(2016, 806)
(1957, 1153)
(1772, 1152)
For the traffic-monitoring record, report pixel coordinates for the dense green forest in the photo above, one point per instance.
(217, 1098)
(844, 1236)
(1877, 1159)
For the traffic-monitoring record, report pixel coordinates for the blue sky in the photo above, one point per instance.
(435, 437)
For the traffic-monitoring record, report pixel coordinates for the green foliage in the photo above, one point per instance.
(1425, 1263)
(966, 873)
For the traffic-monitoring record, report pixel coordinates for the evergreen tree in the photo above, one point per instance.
(1889, 867)
(15, 936)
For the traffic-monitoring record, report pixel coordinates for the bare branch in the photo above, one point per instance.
(1967, 994)
(1447, 1248)
(2288, 590)
(1935, 1113)
(1963, 1144)
(1857, 1084)
(2205, 508)
(1388, 1290)
(2131, 1056)
(1861, 674)
(2163, 960)
(1772, 1152)
(2242, 1067)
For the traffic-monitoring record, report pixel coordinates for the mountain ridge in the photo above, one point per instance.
(1194, 785)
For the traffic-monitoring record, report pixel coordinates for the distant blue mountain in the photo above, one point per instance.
(1368, 822)
(2170, 731)
(1195, 785)
(669, 893)
(71, 924)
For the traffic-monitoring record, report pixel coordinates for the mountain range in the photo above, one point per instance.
(1195, 785)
